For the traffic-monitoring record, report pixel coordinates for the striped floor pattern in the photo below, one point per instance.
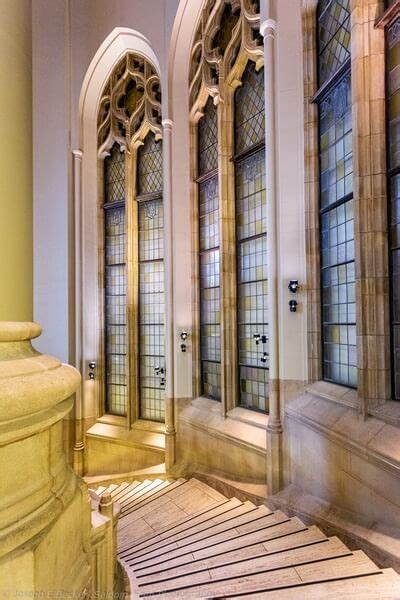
(182, 539)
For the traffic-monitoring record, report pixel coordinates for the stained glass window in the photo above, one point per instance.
(249, 110)
(336, 193)
(150, 166)
(251, 239)
(151, 282)
(210, 341)
(208, 139)
(333, 36)
(393, 117)
(115, 283)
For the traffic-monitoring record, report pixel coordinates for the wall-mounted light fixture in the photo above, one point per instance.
(293, 286)
(293, 305)
(184, 336)
(92, 366)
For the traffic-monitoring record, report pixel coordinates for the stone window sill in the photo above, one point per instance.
(241, 426)
(335, 393)
(372, 439)
(389, 411)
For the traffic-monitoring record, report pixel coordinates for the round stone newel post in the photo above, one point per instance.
(44, 509)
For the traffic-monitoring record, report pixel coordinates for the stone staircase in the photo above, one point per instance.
(182, 539)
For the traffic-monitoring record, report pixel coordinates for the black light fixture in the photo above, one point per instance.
(293, 305)
(293, 285)
(184, 336)
(92, 366)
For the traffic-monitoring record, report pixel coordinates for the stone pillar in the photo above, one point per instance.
(170, 430)
(79, 445)
(274, 428)
(45, 524)
(370, 205)
(16, 244)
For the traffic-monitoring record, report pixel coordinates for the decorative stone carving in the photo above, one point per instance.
(45, 520)
(228, 35)
(130, 106)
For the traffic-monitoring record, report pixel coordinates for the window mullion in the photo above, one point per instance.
(226, 169)
(132, 289)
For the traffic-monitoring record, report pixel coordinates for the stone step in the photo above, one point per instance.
(327, 549)
(381, 586)
(170, 511)
(123, 487)
(150, 494)
(285, 529)
(233, 517)
(318, 571)
(144, 523)
(207, 544)
(301, 539)
(204, 517)
(182, 539)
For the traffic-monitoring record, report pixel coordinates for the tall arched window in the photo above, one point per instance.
(393, 162)
(210, 336)
(251, 240)
(226, 87)
(115, 282)
(336, 193)
(129, 140)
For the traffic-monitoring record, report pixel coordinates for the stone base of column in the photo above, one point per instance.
(170, 449)
(79, 448)
(274, 459)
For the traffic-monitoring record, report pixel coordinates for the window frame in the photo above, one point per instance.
(139, 123)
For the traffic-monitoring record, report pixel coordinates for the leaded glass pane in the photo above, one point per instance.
(249, 109)
(251, 228)
(210, 341)
(393, 117)
(393, 85)
(115, 311)
(337, 237)
(114, 175)
(151, 310)
(150, 177)
(208, 139)
(336, 144)
(333, 36)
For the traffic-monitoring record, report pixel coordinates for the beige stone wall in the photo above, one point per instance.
(16, 243)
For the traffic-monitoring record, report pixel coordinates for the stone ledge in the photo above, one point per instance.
(204, 414)
(335, 393)
(378, 540)
(373, 439)
(130, 437)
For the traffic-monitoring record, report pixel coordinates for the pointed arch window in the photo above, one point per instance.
(129, 140)
(115, 282)
(210, 337)
(226, 89)
(251, 240)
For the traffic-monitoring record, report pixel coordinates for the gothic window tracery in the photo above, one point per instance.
(226, 90)
(129, 143)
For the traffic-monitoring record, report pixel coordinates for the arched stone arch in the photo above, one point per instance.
(118, 43)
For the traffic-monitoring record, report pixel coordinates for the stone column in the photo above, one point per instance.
(370, 205)
(274, 428)
(78, 258)
(45, 524)
(16, 244)
(170, 430)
